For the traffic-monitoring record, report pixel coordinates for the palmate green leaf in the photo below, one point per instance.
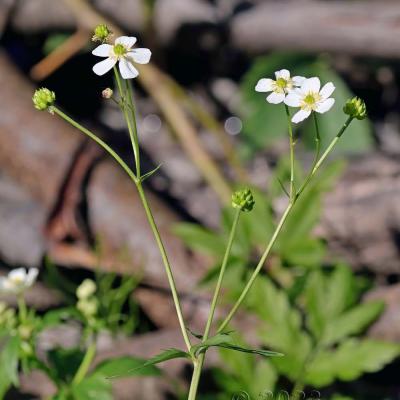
(166, 355)
(350, 360)
(9, 364)
(126, 366)
(200, 239)
(352, 322)
(307, 211)
(281, 326)
(94, 387)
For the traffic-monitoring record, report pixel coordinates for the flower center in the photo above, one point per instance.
(281, 83)
(310, 101)
(119, 50)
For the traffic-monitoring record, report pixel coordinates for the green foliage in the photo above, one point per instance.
(264, 123)
(125, 366)
(226, 341)
(166, 355)
(95, 387)
(9, 364)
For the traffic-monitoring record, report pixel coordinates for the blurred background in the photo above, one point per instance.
(67, 209)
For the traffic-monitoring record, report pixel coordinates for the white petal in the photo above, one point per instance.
(325, 105)
(300, 116)
(104, 66)
(103, 50)
(327, 90)
(17, 274)
(140, 55)
(128, 71)
(126, 41)
(31, 277)
(264, 85)
(276, 98)
(283, 73)
(293, 99)
(311, 85)
(298, 80)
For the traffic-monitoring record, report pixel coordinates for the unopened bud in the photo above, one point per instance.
(88, 307)
(355, 108)
(243, 199)
(43, 99)
(101, 33)
(107, 93)
(86, 289)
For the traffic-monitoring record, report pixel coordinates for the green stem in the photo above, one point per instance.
(134, 134)
(323, 157)
(166, 262)
(92, 136)
(85, 364)
(257, 269)
(22, 311)
(221, 275)
(198, 365)
(194, 385)
(148, 214)
(279, 227)
(291, 144)
(131, 126)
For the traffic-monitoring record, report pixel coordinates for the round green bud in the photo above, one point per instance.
(43, 99)
(355, 108)
(243, 199)
(86, 289)
(25, 331)
(101, 33)
(88, 307)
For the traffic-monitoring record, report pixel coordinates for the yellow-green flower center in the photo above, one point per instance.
(281, 83)
(119, 50)
(310, 101)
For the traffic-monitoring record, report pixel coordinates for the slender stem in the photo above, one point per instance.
(92, 136)
(291, 144)
(324, 155)
(221, 275)
(86, 362)
(166, 262)
(194, 384)
(135, 132)
(148, 213)
(257, 269)
(198, 365)
(22, 311)
(131, 127)
(279, 227)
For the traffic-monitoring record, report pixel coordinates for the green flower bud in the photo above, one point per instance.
(43, 99)
(356, 108)
(88, 307)
(26, 349)
(86, 289)
(243, 199)
(25, 331)
(101, 33)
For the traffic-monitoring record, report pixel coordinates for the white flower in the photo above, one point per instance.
(18, 280)
(280, 87)
(310, 98)
(121, 51)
